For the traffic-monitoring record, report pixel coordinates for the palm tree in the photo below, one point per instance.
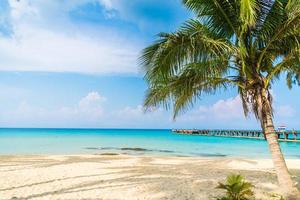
(242, 44)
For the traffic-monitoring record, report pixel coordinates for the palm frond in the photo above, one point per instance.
(290, 64)
(219, 16)
(193, 81)
(248, 9)
(192, 43)
(287, 26)
(271, 19)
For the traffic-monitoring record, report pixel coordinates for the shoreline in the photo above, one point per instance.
(115, 177)
(150, 153)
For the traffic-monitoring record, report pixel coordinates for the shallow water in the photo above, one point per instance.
(132, 141)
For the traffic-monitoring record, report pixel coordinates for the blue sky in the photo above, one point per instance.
(73, 63)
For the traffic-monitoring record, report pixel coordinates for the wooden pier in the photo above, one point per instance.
(285, 136)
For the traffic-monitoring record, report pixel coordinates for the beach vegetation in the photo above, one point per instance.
(237, 188)
(246, 45)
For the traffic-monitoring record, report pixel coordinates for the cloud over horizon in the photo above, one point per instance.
(91, 111)
(88, 111)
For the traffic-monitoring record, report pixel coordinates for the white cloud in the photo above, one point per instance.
(131, 112)
(89, 108)
(229, 113)
(46, 51)
(45, 39)
(92, 99)
(227, 110)
(138, 113)
(225, 113)
(135, 116)
(108, 4)
(91, 105)
(88, 111)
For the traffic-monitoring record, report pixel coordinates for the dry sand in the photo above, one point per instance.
(124, 177)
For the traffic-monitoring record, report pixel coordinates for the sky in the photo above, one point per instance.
(74, 64)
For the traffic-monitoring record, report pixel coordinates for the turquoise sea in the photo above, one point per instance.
(132, 141)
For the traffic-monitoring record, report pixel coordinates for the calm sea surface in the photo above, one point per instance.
(163, 142)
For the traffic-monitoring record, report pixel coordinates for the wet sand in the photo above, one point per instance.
(124, 177)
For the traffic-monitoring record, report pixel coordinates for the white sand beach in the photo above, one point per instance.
(124, 177)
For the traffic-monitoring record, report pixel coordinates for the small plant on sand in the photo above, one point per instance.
(236, 188)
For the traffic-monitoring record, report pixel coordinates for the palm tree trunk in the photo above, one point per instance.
(283, 175)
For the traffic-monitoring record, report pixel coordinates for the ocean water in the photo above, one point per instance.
(132, 141)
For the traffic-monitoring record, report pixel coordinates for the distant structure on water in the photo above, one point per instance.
(281, 128)
(282, 134)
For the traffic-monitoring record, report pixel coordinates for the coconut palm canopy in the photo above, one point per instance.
(241, 44)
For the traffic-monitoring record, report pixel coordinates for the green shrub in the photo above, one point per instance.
(236, 188)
